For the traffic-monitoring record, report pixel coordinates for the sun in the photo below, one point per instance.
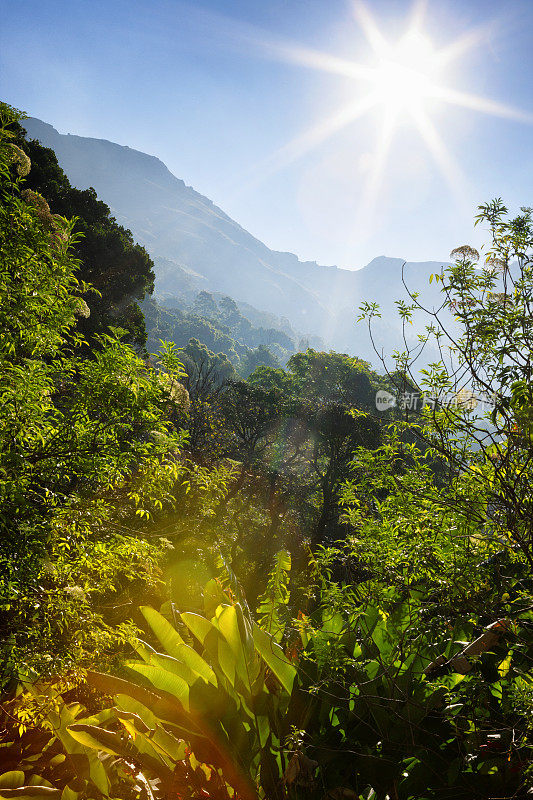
(406, 79)
(405, 75)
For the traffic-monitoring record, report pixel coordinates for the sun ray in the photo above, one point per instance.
(418, 13)
(373, 35)
(449, 168)
(309, 140)
(484, 105)
(375, 180)
(463, 44)
(315, 59)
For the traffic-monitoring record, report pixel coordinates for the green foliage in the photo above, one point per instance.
(85, 449)
(389, 564)
(476, 423)
(417, 733)
(333, 378)
(261, 356)
(324, 377)
(220, 700)
(220, 327)
(217, 704)
(326, 401)
(438, 522)
(48, 757)
(272, 610)
(118, 270)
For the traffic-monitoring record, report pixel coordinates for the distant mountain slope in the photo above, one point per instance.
(196, 246)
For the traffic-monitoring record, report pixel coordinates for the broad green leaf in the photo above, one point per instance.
(163, 679)
(170, 665)
(263, 729)
(70, 794)
(195, 661)
(97, 719)
(97, 738)
(224, 655)
(131, 720)
(143, 728)
(175, 647)
(274, 656)
(228, 623)
(143, 649)
(38, 780)
(214, 595)
(187, 663)
(128, 704)
(163, 707)
(87, 763)
(198, 626)
(157, 742)
(165, 632)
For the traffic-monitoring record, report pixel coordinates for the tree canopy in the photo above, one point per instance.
(119, 271)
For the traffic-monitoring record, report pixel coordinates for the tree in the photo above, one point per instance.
(477, 422)
(85, 447)
(206, 375)
(261, 356)
(454, 543)
(333, 377)
(205, 305)
(115, 266)
(338, 434)
(230, 311)
(307, 453)
(250, 413)
(272, 378)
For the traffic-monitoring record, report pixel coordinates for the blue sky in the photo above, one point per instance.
(213, 90)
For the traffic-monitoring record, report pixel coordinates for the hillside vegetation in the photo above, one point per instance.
(273, 574)
(221, 327)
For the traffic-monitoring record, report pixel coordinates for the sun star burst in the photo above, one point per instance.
(405, 79)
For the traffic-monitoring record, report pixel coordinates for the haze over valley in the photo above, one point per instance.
(197, 247)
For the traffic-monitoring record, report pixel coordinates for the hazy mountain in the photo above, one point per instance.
(196, 246)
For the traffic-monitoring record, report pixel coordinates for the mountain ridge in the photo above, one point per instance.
(196, 245)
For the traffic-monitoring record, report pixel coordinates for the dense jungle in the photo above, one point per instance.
(227, 571)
